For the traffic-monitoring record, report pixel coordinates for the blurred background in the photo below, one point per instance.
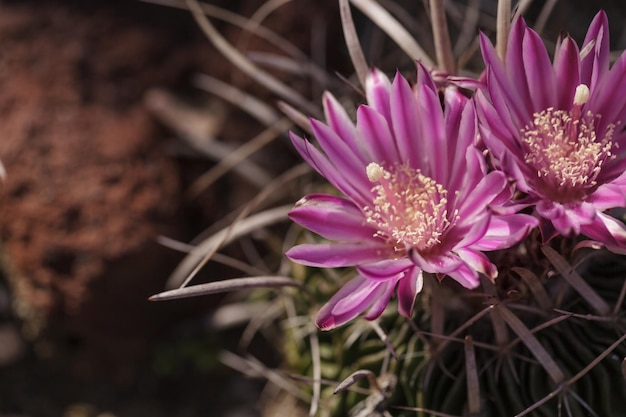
(109, 136)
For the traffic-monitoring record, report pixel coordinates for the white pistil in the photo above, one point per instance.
(582, 95)
(374, 172)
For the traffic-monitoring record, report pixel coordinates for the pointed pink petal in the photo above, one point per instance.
(377, 91)
(608, 196)
(332, 217)
(476, 200)
(478, 262)
(596, 63)
(465, 276)
(332, 255)
(503, 96)
(506, 231)
(340, 123)
(539, 72)
(567, 220)
(385, 270)
(516, 61)
(567, 73)
(404, 123)
(351, 300)
(339, 153)
(602, 100)
(408, 288)
(323, 166)
(607, 230)
(382, 300)
(436, 264)
(431, 135)
(376, 136)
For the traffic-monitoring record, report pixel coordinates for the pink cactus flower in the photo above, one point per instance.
(557, 129)
(418, 197)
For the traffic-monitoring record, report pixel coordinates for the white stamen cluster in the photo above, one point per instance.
(564, 148)
(409, 208)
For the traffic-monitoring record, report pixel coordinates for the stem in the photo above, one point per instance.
(441, 35)
(503, 27)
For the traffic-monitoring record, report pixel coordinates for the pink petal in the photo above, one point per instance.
(382, 300)
(515, 61)
(595, 64)
(323, 166)
(432, 135)
(332, 255)
(332, 217)
(478, 262)
(608, 196)
(539, 72)
(385, 270)
(377, 139)
(567, 73)
(465, 276)
(351, 300)
(436, 264)
(498, 83)
(607, 230)
(341, 124)
(477, 200)
(377, 91)
(506, 231)
(352, 165)
(404, 123)
(408, 288)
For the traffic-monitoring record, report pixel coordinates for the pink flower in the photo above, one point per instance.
(417, 197)
(557, 129)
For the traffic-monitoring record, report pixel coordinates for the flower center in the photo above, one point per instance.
(409, 208)
(564, 148)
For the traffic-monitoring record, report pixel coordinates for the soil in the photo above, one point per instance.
(91, 183)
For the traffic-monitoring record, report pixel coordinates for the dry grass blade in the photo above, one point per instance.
(384, 337)
(250, 104)
(531, 342)
(227, 285)
(355, 377)
(576, 281)
(239, 21)
(185, 270)
(252, 367)
(497, 321)
(290, 65)
(254, 23)
(473, 386)
(299, 118)
(317, 373)
(468, 28)
(198, 129)
(394, 30)
(238, 156)
(534, 284)
(352, 42)
(542, 19)
(503, 27)
(441, 36)
(522, 7)
(244, 64)
(620, 300)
